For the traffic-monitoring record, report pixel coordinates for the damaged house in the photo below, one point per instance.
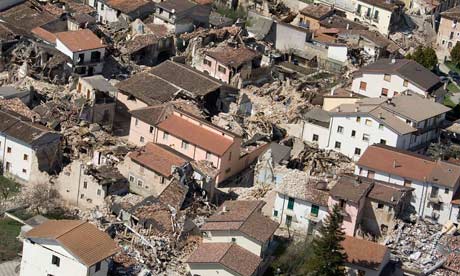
(27, 148)
(193, 137)
(111, 11)
(171, 80)
(99, 97)
(224, 63)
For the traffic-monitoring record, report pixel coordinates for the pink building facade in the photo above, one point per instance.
(215, 69)
(198, 140)
(351, 214)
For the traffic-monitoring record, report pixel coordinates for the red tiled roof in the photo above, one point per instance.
(364, 253)
(82, 239)
(229, 255)
(158, 158)
(80, 40)
(44, 34)
(197, 135)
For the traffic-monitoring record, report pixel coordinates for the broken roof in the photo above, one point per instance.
(244, 216)
(216, 141)
(406, 69)
(22, 18)
(452, 14)
(388, 193)
(389, 5)
(176, 5)
(410, 165)
(81, 40)
(233, 57)
(174, 194)
(297, 184)
(316, 11)
(339, 22)
(351, 188)
(82, 239)
(99, 83)
(127, 6)
(158, 158)
(364, 253)
(230, 255)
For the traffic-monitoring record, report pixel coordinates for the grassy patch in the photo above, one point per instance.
(448, 102)
(452, 66)
(451, 87)
(9, 245)
(231, 13)
(8, 187)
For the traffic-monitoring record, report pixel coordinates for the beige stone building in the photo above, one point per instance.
(448, 33)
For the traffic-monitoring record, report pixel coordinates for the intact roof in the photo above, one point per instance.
(388, 193)
(351, 188)
(384, 4)
(317, 114)
(364, 253)
(317, 11)
(452, 14)
(231, 56)
(406, 69)
(193, 133)
(80, 40)
(127, 6)
(82, 239)
(229, 255)
(22, 128)
(99, 83)
(158, 158)
(243, 216)
(177, 5)
(297, 184)
(22, 18)
(410, 165)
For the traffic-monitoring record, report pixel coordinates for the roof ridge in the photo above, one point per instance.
(194, 71)
(70, 230)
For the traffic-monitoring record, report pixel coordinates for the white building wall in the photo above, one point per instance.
(209, 270)
(384, 17)
(63, 49)
(310, 129)
(375, 83)
(300, 212)
(349, 143)
(245, 242)
(106, 14)
(338, 53)
(18, 166)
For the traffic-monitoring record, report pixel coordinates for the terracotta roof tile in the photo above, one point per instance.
(364, 253)
(158, 158)
(233, 57)
(80, 40)
(197, 135)
(82, 239)
(352, 188)
(127, 6)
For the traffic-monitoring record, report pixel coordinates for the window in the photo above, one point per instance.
(151, 129)
(340, 129)
(141, 139)
(387, 77)
(275, 213)
(81, 59)
(95, 56)
(131, 178)
(314, 211)
(184, 145)
(370, 174)
(380, 126)
(315, 138)
(24, 171)
(98, 267)
(55, 260)
(446, 190)
(162, 180)
(85, 185)
(8, 150)
(407, 183)
(342, 203)
(221, 69)
(82, 195)
(136, 122)
(359, 9)
(363, 86)
(228, 170)
(408, 122)
(208, 155)
(233, 239)
(165, 135)
(7, 166)
(405, 83)
(358, 119)
(368, 122)
(288, 220)
(434, 192)
(353, 133)
(207, 62)
(376, 15)
(290, 205)
(337, 145)
(366, 137)
(98, 192)
(357, 151)
(26, 157)
(383, 141)
(379, 206)
(384, 92)
(230, 156)
(140, 182)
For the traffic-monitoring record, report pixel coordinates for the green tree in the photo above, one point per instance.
(455, 54)
(328, 257)
(426, 56)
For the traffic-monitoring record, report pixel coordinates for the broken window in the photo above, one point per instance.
(208, 155)
(434, 192)
(8, 166)
(370, 174)
(362, 86)
(162, 180)
(207, 62)
(380, 206)
(25, 157)
(315, 138)
(383, 141)
(342, 203)
(288, 220)
(405, 83)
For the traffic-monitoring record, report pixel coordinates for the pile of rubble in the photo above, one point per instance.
(416, 245)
